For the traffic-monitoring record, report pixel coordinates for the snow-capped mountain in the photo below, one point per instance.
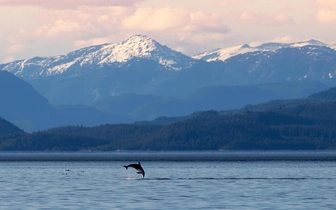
(143, 79)
(140, 65)
(226, 53)
(135, 47)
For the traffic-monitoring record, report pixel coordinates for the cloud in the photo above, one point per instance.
(181, 29)
(8, 59)
(161, 19)
(234, 3)
(14, 42)
(58, 28)
(86, 26)
(199, 21)
(326, 4)
(192, 44)
(326, 16)
(62, 26)
(151, 19)
(66, 4)
(90, 42)
(15, 48)
(285, 39)
(266, 20)
(83, 23)
(326, 12)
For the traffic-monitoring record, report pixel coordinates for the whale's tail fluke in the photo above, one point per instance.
(126, 167)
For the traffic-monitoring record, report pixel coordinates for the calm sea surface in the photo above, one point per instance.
(176, 180)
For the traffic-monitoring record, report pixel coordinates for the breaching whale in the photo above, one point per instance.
(138, 168)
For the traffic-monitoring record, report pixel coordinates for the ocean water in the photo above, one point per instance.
(212, 180)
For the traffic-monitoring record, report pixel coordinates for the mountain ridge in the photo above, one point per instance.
(97, 72)
(137, 46)
(222, 54)
(118, 54)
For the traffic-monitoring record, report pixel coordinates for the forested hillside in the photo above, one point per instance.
(298, 124)
(329, 94)
(308, 127)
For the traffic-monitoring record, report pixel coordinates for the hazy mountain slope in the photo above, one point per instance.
(86, 116)
(318, 99)
(26, 108)
(124, 104)
(148, 107)
(22, 105)
(8, 128)
(292, 90)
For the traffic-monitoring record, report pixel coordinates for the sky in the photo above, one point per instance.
(32, 28)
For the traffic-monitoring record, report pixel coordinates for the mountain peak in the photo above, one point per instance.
(306, 43)
(142, 46)
(136, 47)
(316, 42)
(139, 38)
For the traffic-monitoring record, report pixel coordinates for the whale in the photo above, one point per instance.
(138, 168)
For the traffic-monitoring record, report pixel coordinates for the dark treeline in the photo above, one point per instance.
(329, 94)
(303, 127)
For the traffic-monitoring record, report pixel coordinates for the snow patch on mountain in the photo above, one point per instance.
(223, 54)
(333, 46)
(136, 46)
(60, 68)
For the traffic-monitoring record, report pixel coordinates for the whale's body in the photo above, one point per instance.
(138, 168)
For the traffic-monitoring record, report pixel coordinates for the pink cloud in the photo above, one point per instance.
(266, 20)
(208, 23)
(89, 42)
(15, 48)
(234, 3)
(83, 23)
(326, 11)
(285, 39)
(67, 4)
(326, 16)
(8, 59)
(183, 20)
(151, 19)
(331, 4)
(84, 26)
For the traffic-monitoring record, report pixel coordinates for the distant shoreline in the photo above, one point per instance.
(172, 156)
